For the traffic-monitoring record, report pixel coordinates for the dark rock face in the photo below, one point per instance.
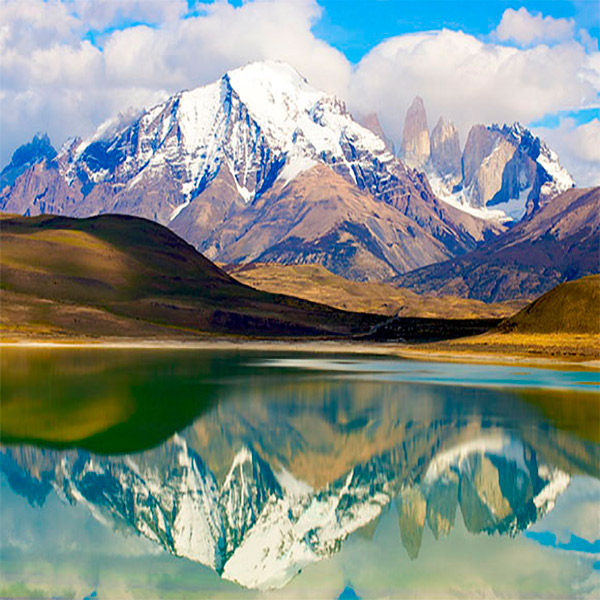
(24, 157)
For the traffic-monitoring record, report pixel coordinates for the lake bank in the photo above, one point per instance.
(541, 350)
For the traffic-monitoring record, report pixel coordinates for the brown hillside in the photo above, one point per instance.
(316, 283)
(560, 242)
(572, 307)
(131, 267)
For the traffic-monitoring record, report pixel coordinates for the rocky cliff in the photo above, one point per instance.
(503, 174)
(416, 146)
(445, 152)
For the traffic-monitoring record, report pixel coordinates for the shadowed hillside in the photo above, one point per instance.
(134, 268)
(560, 242)
(126, 276)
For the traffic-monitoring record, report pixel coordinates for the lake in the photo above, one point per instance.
(196, 473)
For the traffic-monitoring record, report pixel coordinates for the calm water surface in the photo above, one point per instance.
(176, 474)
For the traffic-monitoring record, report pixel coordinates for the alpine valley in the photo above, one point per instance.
(262, 167)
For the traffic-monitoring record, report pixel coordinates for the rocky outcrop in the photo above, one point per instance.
(416, 146)
(484, 161)
(480, 144)
(503, 174)
(507, 171)
(445, 151)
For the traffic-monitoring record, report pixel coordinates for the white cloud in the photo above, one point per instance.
(101, 14)
(524, 28)
(470, 81)
(579, 148)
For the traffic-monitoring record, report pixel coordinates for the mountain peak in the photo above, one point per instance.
(228, 151)
(445, 151)
(268, 70)
(25, 156)
(416, 145)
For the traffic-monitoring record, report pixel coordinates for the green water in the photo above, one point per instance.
(184, 473)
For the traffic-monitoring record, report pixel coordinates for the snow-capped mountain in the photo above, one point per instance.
(261, 123)
(503, 174)
(256, 165)
(261, 525)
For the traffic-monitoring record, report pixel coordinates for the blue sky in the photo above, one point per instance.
(68, 65)
(354, 27)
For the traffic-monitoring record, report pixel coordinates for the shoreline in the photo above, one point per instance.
(391, 349)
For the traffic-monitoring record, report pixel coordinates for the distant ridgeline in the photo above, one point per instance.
(559, 242)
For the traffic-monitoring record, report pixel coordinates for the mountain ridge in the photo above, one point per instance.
(558, 243)
(504, 173)
(248, 136)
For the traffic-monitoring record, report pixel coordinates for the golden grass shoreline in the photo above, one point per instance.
(479, 351)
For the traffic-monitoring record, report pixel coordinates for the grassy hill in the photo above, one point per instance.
(564, 323)
(126, 276)
(572, 307)
(316, 283)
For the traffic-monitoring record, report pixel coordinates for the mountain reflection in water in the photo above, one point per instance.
(279, 471)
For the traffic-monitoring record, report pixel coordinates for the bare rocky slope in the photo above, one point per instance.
(558, 243)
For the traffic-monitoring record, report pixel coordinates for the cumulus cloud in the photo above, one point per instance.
(54, 78)
(579, 148)
(103, 14)
(524, 28)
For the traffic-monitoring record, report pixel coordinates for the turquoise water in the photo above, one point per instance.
(471, 375)
(174, 474)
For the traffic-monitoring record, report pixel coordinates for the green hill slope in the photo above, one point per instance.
(134, 268)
